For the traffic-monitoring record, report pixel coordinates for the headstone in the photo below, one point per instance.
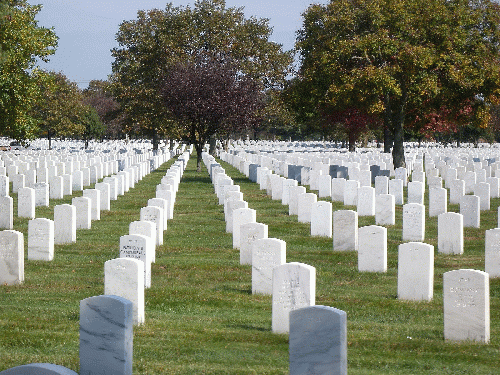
(104, 196)
(241, 216)
(83, 216)
(67, 184)
(381, 185)
(318, 341)
(11, 257)
(416, 192)
(163, 205)
(413, 222)
(415, 271)
(366, 201)
(64, 224)
(95, 197)
(494, 183)
(267, 254)
(338, 185)
(249, 233)
(77, 180)
(169, 196)
(492, 252)
(230, 208)
(372, 250)
(293, 202)
(438, 201)
(4, 186)
(155, 215)
(304, 206)
(466, 302)
(41, 239)
(396, 189)
(148, 229)
(469, 208)
(325, 186)
(38, 369)
(56, 187)
(287, 185)
(385, 210)
(294, 287)
(124, 277)
(106, 338)
(113, 187)
(138, 247)
(457, 191)
(450, 233)
(401, 174)
(41, 194)
(345, 230)
(321, 219)
(6, 212)
(351, 193)
(26, 203)
(482, 190)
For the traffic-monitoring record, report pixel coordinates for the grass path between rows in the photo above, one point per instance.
(201, 317)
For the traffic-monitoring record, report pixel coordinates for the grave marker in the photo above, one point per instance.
(415, 271)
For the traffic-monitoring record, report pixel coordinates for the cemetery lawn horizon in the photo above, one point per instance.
(201, 317)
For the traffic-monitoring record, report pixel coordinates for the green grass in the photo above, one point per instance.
(201, 317)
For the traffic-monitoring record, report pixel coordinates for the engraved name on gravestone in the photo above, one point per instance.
(136, 246)
(294, 287)
(466, 301)
(267, 253)
(248, 234)
(413, 222)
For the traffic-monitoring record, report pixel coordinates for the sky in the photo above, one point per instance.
(87, 29)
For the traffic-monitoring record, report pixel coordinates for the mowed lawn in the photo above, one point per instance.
(201, 317)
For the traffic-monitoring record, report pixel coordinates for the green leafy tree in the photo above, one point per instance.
(94, 128)
(160, 39)
(62, 112)
(22, 42)
(400, 60)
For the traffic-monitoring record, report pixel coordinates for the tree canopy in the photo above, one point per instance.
(400, 60)
(159, 40)
(22, 42)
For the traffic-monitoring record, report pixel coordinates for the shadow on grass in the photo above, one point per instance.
(248, 327)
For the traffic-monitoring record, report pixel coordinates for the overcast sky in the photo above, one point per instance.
(87, 29)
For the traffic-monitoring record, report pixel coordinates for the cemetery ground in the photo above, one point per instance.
(201, 316)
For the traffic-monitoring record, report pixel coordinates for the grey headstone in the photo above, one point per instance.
(38, 369)
(106, 339)
(318, 341)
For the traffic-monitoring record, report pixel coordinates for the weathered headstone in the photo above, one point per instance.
(26, 203)
(124, 277)
(366, 201)
(56, 187)
(416, 192)
(470, 209)
(338, 185)
(450, 233)
(385, 210)
(304, 206)
(372, 249)
(64, 224)
(41, 239)
(438, 201)
(248, 234)
(155, 215)
(41, 194)
(6, 212)
(345, 230)
(466, 302)
(396, 189)
(38, 369)
(267, 254)
(83, 216)
(294, 287)
(11, 257)
(106, 338)
(413, 222)
(321, 219)
(318, 341)
(241, 216)
(492, 252)
(415, 271)
(351, 193)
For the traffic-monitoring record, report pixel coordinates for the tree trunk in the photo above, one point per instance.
(155, 140)
(213, 145)
(49, 137)
(199, 151)
(398, 152)
(387, 140)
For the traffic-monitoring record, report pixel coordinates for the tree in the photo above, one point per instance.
(161, 39)
(61, 112)
(22, 42)
(99, 96)
(400, 60)
(210, 96)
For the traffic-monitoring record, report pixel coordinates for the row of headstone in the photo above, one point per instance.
(291, 285)
(129, 275)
